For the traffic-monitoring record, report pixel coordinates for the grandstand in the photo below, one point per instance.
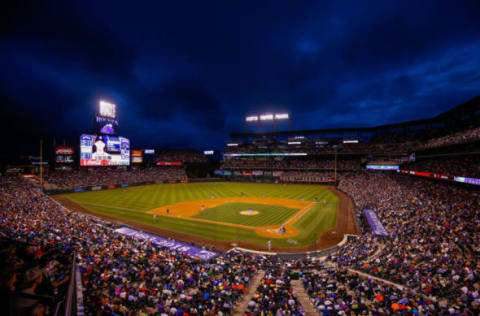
(417, 252)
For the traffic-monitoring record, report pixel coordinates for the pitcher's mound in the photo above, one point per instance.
(249, 212)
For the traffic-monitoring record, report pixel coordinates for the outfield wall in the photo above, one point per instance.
(106, 187)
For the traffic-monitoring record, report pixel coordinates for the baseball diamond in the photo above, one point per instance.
(211, 212)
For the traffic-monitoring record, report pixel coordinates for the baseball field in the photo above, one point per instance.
(221, 213)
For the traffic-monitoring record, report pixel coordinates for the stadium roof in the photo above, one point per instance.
(464, 112)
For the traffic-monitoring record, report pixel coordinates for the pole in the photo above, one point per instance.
(335, 166)
(41, 164)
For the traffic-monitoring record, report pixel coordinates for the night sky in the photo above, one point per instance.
(185, 73)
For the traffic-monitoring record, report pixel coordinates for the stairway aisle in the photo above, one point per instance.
(242, 304)
(303, 298)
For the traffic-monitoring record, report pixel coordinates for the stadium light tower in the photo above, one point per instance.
(268, 117)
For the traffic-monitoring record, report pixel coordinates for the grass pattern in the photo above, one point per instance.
(131, 204)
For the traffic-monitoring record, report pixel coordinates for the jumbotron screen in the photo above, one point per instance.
(104, 150)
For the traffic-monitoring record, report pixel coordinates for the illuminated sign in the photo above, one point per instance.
(149, 151)
(264, 154)
(383, 167)
(137, 159)
(64, 150)
(169, 163)
(208, 152)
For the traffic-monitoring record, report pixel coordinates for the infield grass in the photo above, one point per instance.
(131, 204)
(230, 213)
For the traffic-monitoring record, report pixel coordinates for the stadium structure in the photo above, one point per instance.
(351, 221)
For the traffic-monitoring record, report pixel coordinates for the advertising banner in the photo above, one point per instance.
(383, 167)
(375, 223)
(137, 153)
(191, 251)
(430, 175)
(474, 181)
(64, 150)
(169, 163)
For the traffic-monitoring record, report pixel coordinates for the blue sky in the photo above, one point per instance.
(185, 74)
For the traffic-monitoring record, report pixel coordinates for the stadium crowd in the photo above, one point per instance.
(293, 164)
(433, 247)
(185, 156)
(433, 251)
(120, 274)
(65, 179)
(274, 295)
(462, 166)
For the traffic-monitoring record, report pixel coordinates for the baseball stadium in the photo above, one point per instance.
(240, 159)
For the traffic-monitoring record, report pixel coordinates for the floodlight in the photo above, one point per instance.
(282, 116)
(266, 117)
(107, 109)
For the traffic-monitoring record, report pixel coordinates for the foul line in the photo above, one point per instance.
(299, 214)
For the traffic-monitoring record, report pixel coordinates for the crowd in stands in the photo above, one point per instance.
(336, 291)
(63, 179)
(465, 136)
(432, 250)
(433, 247)
(177, 155)
(39, 267)
(387, 142)
(120, 275)
(274, 295)
(292, 164)
(462, 166)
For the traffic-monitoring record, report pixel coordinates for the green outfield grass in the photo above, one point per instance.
(131, 204)
(230, 213)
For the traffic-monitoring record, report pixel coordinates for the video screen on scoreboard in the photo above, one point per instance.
(104, 150)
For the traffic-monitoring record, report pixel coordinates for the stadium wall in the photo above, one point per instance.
(105, 187)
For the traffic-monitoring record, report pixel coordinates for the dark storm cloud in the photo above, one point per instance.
(185, 74)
